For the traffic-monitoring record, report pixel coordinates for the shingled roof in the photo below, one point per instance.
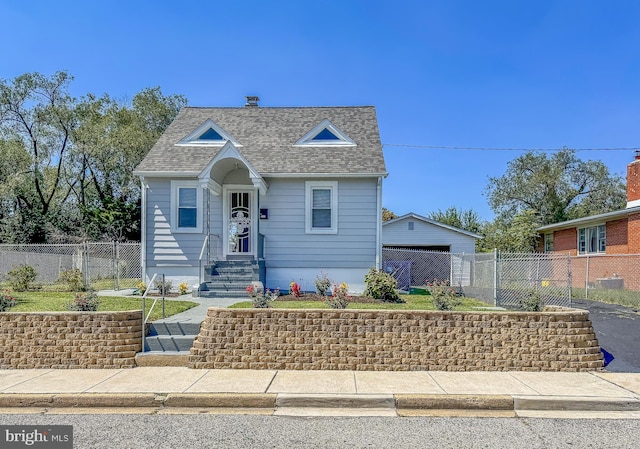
(267, 138)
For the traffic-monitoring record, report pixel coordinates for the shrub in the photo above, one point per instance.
(262, 300)
(443, 296)
(322, 283)
(21, 277)
(294, 289)
(183, 288)
(6, 300)
(142, 287)
(381, 285)
(73, 278)
(531, 301)
(163, 288)
(339, 299)
(85, 302)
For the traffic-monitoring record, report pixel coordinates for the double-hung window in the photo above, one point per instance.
(592, 240)
(186, 209)
(321, 214)
(548, 242)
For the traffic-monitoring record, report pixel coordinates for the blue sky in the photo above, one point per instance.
(483, 74)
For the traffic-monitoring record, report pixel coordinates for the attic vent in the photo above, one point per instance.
(325, 134)
(252, 101)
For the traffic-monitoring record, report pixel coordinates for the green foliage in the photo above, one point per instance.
(531, 301)
(84, 302)
(512, 234)
(469, 220)
(261, 299)
(73, 278)
(556, 188)
(387, 214)
(339, 299)
(443, 295)
(20, 278)
(183, 288)
(6, 300)
(381, 285)
(322, 283)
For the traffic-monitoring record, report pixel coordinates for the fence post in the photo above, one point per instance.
(85, 265)
(569, 278)
(586, 280)
(496, 301)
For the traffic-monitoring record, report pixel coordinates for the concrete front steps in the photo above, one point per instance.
(229, 279)
(168, 344)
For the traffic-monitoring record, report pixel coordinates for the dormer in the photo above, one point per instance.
(325, 134)
(208, 134)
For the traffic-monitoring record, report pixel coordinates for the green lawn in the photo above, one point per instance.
(57, 302)
(413, 302)
(627, 298)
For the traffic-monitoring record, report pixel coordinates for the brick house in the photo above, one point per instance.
(596, 237)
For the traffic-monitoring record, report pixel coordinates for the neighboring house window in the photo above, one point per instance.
(592, 239)
(321, 214)
(411, 225)
(548, 242)
(186, 209)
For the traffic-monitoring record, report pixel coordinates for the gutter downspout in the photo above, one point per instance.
(379, 224)
(143, 229)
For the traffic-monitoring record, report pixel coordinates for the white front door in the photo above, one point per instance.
(239, 219)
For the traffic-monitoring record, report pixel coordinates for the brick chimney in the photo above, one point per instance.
(633, 182)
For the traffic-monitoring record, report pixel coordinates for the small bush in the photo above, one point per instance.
(322, 283)
(381, 285)
(166, 288)
(294, 289)
(21, 277)
(84, 302)
(6, 300)
(443, 296)
(532, 301)
(183, 288)
(262, 300)
(73, 278)
(339, 299)
(142, 287)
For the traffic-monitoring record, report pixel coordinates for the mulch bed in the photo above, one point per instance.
(316, 297)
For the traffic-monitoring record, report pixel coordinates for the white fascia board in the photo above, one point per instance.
(324, 175)
(167, 174)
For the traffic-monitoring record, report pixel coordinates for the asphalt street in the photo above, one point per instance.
(618, 332)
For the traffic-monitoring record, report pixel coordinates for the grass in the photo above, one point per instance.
(627, 298)
(57, 302)
(413, 302)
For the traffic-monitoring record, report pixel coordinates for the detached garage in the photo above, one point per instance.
(417, 250)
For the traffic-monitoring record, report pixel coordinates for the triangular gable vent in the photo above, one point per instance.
(209, 133)
(325, 134)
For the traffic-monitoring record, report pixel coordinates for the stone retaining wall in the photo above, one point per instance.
(70, 339)
(385, 340)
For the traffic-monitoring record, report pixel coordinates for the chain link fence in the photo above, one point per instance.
(111, 265)
(607, 276)
(499, 279)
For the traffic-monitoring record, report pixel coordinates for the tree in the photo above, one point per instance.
(469, 220)
(557, 188)
(518, 235)
(387, 214)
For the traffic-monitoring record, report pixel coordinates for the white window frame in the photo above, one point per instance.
(548, 242)
(175, 187)
(307, 139)
(601, 239)
(310, 186)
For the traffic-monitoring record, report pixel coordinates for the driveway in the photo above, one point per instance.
(618, 332)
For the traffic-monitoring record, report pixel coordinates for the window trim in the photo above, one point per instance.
(548, 242)
(601, 239)
(308, 139)
(310, 186)
(175, 187)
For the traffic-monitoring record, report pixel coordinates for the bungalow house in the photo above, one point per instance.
(602, 235)
(276, 194)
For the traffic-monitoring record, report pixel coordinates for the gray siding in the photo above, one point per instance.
(426, 234)
(288, 245)
(163, 247)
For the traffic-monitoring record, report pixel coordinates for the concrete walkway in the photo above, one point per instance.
(309, 393)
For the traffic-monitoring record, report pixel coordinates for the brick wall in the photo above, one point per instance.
(385, 340)
(566, 241)
(70, 339)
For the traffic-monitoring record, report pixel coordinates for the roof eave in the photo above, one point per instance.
(607, 216)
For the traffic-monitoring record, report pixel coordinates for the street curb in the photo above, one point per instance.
(292, 400)
(226, 400)
(79, 400)
(576, 403)
(454, 401)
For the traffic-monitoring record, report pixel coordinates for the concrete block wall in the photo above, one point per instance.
(384, 340)
(70, 339)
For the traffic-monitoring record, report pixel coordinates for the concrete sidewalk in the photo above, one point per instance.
(309, 393)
